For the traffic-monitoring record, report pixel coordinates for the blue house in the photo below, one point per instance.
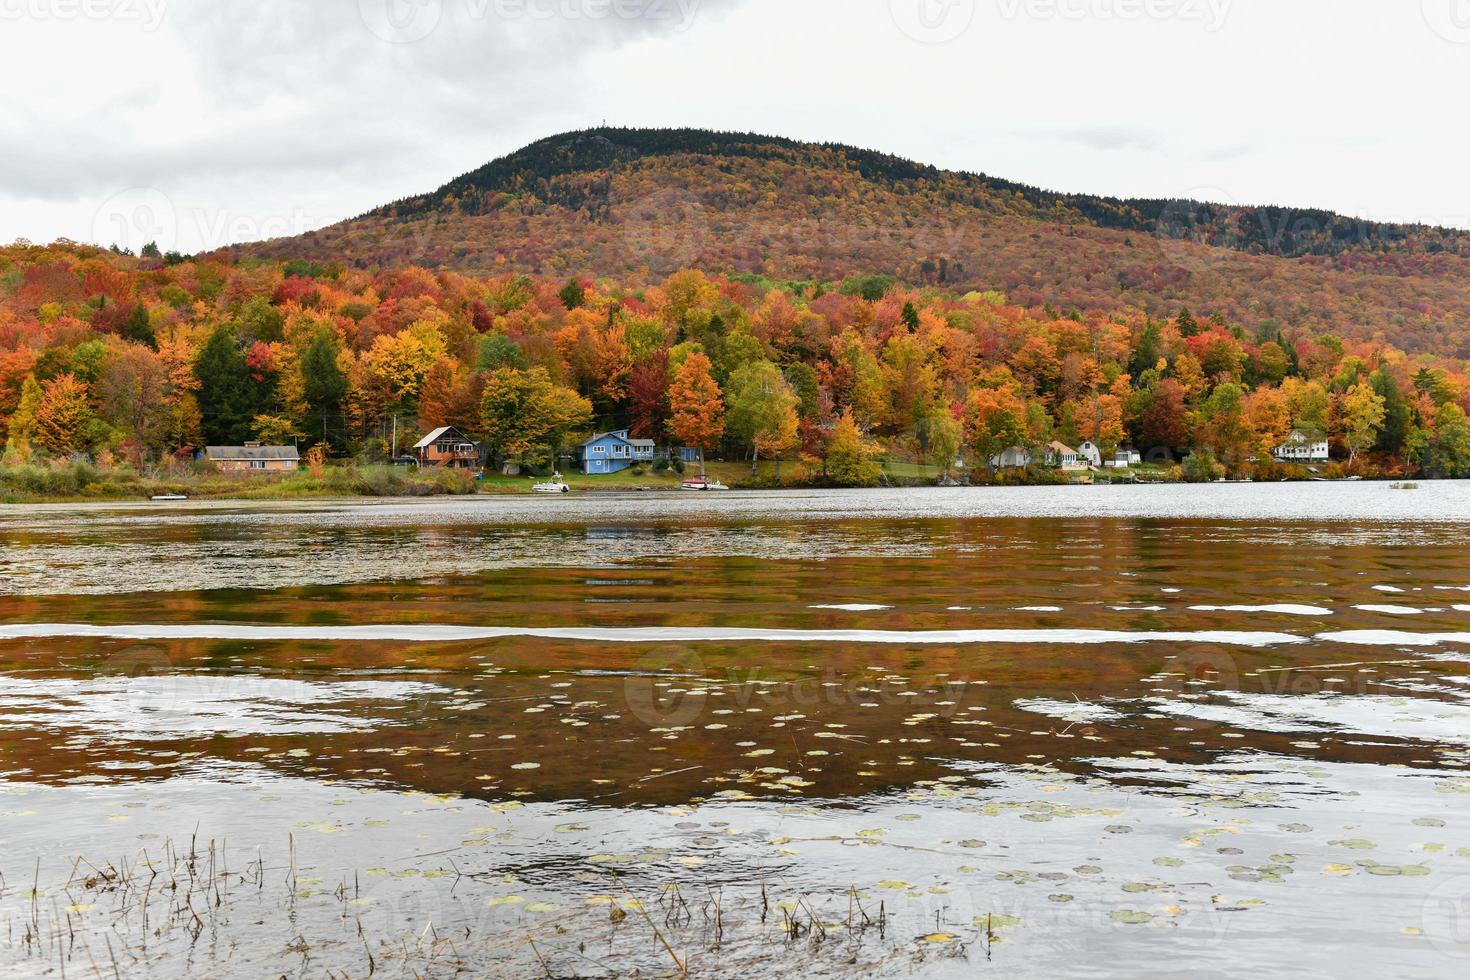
(613, 452)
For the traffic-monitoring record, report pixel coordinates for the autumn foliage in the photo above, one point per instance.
(826, 375)
(634, 206)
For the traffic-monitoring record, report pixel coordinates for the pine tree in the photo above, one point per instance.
(572, 295)
(227, 395)
(138, 329)
(910, 317)
(324, 386)
(1185, 322)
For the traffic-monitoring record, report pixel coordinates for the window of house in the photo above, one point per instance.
(257, 464)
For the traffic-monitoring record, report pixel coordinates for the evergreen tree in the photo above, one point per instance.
(573, 295)
(227, 392)
(910, 317)
(1186, 324)
(325, 386)
(1398, 414)
(1150, 349)
(138, 329)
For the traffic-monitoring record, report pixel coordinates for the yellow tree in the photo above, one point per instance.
(778, 440)
(1269, 419)
(185, 422)
(942, 437)
(1363, 412)
(525, 411)
(850, 460)
(400, 361)
(760, 402)
(23, 422)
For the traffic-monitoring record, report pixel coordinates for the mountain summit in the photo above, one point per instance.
(634, 204)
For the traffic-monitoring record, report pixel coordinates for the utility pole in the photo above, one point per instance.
(394, 456)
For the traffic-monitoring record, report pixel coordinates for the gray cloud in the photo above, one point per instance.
(270, 116)
(328, 88)
(1112, 137)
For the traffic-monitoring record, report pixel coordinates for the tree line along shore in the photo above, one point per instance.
(117, 371)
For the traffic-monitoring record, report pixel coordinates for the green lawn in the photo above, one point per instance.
(733, 475)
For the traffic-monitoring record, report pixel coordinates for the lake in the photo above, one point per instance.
(1098, 731)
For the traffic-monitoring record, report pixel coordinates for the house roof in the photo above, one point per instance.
(438, 434)
(254, 453)
(1058, 447)
(643, 443)
(606, 435)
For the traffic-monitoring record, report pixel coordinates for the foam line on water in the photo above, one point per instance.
(1283, 609)
(1392, 638)
(633, 634)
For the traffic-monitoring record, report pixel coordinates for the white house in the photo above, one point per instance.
(1014, 458)
(1089, 453)
(1124, 458)
(1304, 447)
(1064, 456)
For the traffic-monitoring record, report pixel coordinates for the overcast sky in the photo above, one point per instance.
(204, 122)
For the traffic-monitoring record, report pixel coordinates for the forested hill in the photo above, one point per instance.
(1290, 232)
(636, 204)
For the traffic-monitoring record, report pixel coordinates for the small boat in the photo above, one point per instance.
(167, 497)
(702, 483)
(555, 485)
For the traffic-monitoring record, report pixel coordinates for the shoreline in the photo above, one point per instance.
(1435, 501)
(581, 493)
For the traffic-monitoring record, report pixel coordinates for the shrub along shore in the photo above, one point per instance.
(79, 480)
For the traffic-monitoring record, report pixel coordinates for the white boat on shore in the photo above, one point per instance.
(169, 497)
(555, 485)
(703, 484)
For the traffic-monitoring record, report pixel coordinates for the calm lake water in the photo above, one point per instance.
(1142, 731)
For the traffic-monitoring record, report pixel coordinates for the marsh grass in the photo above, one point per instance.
(195, 909)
